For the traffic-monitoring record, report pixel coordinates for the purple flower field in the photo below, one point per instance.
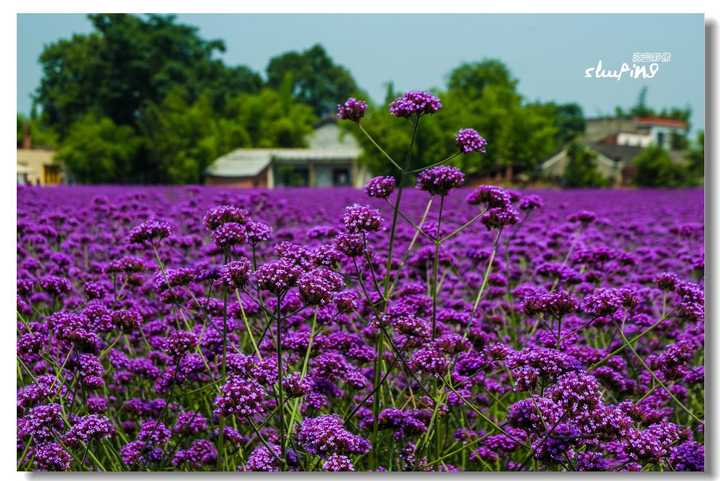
(490, 330)
(198, 329)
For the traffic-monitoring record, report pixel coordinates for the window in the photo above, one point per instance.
(661, 139)
(291, 176)
(51, 174)
(341, 177)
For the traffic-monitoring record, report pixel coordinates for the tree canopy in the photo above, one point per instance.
(582, 170)
(315, 79)
(157, 86)
(482, 96)
(655, 168)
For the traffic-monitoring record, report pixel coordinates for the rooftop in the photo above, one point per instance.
(326, 143)
(660, 121)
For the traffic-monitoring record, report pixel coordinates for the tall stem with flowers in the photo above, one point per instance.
(438, 180)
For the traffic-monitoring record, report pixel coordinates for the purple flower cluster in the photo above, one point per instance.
(353, 109)
(361, 218)
(440, 180)
(380, 187)
(326, 435)
(415, 102)
(469, 140)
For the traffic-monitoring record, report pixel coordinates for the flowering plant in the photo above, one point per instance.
(450, 326)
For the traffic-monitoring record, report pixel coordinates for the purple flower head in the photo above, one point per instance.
(584, 217)
(296, 386)
(429, 360)
(556, 304)
(491, 196)
(91, 427)
(346, 301)
(154, 433)
(530, 202)
(201, 453)
(353, 109)
(52, 457)
(317, 286)
(326, 435)
(235, 274)
(41, 423)
(352, 245)
(240, 396)
(229, 234)
(55, 285)
(190, 422)
(667, 281)
(338, 463)
(180, 343)
(497, 218)
(262, 459)
(440, 180)
(258, 232)
(575, 391)
(415, 102)
(150, 231)
(688, 456)
(361, 218)
(534, 414)
(380, 187)
(277, 276)
(223, 214)
(138, 453)
(469, 140)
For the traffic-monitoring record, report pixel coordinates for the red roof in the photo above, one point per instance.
(661, 121)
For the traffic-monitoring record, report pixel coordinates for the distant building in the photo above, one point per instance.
(37, 166)
(616, 142)
(612, 161)
(331, 159)
(639, 131)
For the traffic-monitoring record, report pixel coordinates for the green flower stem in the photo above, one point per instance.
(446, 159)
(487, 271)
(657, 380)
(303, 373)
(436, 268)
(281, 390)
(247, 325)
(463, 227)
(382, 151)
(621, 348)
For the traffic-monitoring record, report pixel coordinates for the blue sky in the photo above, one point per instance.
(548, 53)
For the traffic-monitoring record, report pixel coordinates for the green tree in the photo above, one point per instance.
(183, 138)
(40, 134)
(316, 80)
(97, 150)
(655, 168)
(641, 109)
(470, 79)
(568, 119)
(126, 62)
(582, 170)
(696, 155)
(481, 96)
(131, 67)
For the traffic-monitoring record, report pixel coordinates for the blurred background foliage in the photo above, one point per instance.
(144, 99)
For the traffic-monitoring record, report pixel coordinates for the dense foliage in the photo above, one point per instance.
(655, 168)
(483, 95)
(426, 329)
(582, 170)
(158, 83)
